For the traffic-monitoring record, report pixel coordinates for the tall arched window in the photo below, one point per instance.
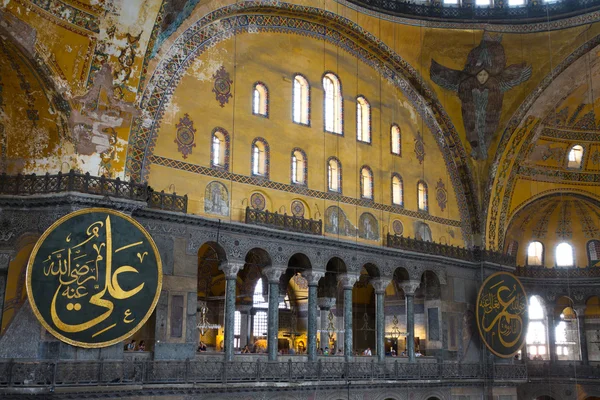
(396, 140)
(564, 255)
(566, 335)
(536, 330)
(260, 158)
(333, 103)
(260, 318)
(366, 183)
(535, 254)
(260, 100)
(422, 196)
(299, 167)
(363, 120)
(301, 100)
(575, 157)
(334, 175)
(593, 249)
(219, 154)
(397, 190)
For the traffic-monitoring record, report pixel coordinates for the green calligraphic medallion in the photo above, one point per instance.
(94, 277)
(502, 314)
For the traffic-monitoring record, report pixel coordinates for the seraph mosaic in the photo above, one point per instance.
(481, 86)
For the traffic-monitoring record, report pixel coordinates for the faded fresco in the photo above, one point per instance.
(368, 228)
(337, 223)
(216, 199)
(481, 86)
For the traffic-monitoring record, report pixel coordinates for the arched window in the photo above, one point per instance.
(259, 296)
(397, 190)
(575, 157)
(260, 100)
(219, 152)
(260, 158)
(334, 175)
(535, 254)
(593, 248)
(422, 196)
(366, 183)
(301, 100)
(363, 120)
(396, 140)
(513, 248)
(299, 167)
(260, 319)
(536, 330)
(333, 103)
(566, 335)
(564, 255)
(423, 232)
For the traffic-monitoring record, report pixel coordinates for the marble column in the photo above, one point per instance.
(551, 333)
(380, 284)
(273, 275)
(230, 269)
(347, 281)
(244, 310)
(409, 288)
(325, 305)
(580, 311)
(313, 278)
(4, 262)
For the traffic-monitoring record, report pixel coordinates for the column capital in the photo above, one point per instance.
(231, 268)
(326, 303)
(273, 273)
(244, 308)
(380, 284)
(410, 287)
(347, 280)
(313, 277)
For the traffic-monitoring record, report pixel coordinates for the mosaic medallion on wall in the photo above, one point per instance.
(297, 209)
(397, 227)
(222, 87)
(419, 147)
(300, 281)
(257, 201)
(441, 195)
(216, 199)
(185, 135)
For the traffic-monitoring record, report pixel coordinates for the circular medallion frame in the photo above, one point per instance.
(150, 245)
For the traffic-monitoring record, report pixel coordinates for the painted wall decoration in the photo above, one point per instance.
(216, 199)
(297, 208)
(501, 314)
(481, 86)
(185, 136)
(112, 283)
(419, 147)
(222, 87)
(258, 202)
(337, 223)
(441, 195)
(397, 227)
(368, 228)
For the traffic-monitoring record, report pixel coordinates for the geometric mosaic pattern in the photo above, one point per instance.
(300, 190)
(260, 16)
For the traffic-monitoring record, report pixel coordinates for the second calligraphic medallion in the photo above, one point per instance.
(94, 277)
(502, 316)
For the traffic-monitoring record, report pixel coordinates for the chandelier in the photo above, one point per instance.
(331, 331)
(204, 326)
(395, 333)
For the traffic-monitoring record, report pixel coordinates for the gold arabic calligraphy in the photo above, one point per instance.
(82, 275)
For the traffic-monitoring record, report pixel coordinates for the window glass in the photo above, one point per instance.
(564, 255)
(535, 254)
(575, 157)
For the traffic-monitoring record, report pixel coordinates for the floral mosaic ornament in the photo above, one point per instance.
(297, 209)
(441, 195)
(257, 201)
(222, 87)
(419, 147)
(185, 135)
(397, 227)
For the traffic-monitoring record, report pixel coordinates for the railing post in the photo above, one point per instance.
(118, 187)
(71, 180)
(86, 182)
(185, 203)
(17, 183)
(54, 368)
(372, 369)
(319, 370)
(187, 370)
(11, 365)
(224, 371)
(290, 370)
(102, 184)
(162, 199)
(258, 370)
(396, 369)
(100, 371)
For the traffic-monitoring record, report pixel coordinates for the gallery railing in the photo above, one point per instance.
(563, 370)
(461, 253)
(284, 222)
(27, 185)
(20, 374)
(558, 273)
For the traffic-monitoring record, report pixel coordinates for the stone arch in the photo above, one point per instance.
(430, 285)
(340, 31)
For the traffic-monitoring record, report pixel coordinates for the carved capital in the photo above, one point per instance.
(347, 280)
(410, 287)
(313, 277)
(326, 303)
(231, 269)
(380, 284)
(273, 273)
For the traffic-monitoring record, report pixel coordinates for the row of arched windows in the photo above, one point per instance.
(565, 254)
(332, 105)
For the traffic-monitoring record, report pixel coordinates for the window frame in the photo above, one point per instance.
(339, 175)
(527, 254)
(399, 153)
(372, 183)
(266, 157)
(265, 100)
(339, 106)
(304, 171)
(396, 175)
(307, 100)
(568, 161)
(224, 149)
(361, 104)
(587, 249)
(426, 191)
